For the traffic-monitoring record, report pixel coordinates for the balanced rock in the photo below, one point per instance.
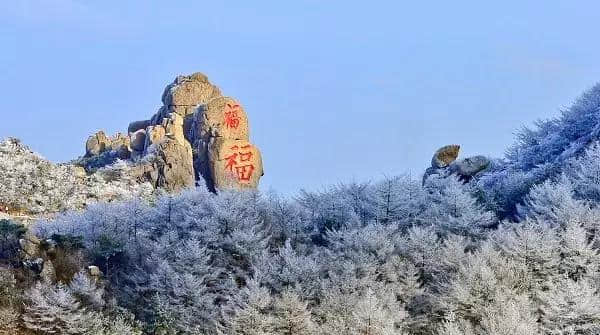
(235, 164)
(444, 163)
(444, 156)
(184, 94)
(189, 91)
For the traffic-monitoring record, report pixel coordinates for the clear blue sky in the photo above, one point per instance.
(335, 90)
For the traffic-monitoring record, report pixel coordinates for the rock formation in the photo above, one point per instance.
(444, 156)
(444, 162)
(196, 134)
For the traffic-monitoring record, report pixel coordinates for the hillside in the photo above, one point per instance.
(475, 246)
(31, 185)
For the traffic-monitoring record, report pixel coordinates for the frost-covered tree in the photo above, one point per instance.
(484, 277)
(513, 316)
(86, 291)
(291, 315)
(534, 245)
(32, 185)
(289, 221)
(10, 299)
(452, 208)
(571, 307)
(398, 199)
(584, 173)
(248, 314)
(179, 285)
(542, 152)
(373, 317)
(298, 272)
(579, 256)
(53, 310)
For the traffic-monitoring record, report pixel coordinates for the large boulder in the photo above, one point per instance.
(99, 143)
(189, 91)
(444, 156)
(467, 168)
(235, 164)
(96, 144)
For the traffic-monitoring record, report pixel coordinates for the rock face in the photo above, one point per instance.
(235, 163)
(196, 134)
(174, 164)
(444, 163)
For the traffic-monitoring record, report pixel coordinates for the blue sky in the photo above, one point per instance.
(335, 90)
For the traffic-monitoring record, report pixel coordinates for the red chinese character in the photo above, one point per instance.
(232, 119)
(245, 156)
(243, 172)
(231, 162)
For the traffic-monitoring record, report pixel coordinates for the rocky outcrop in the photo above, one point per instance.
(99, 143)
(196, 134)
(96, 144)
(467, 168)
(444, 162)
